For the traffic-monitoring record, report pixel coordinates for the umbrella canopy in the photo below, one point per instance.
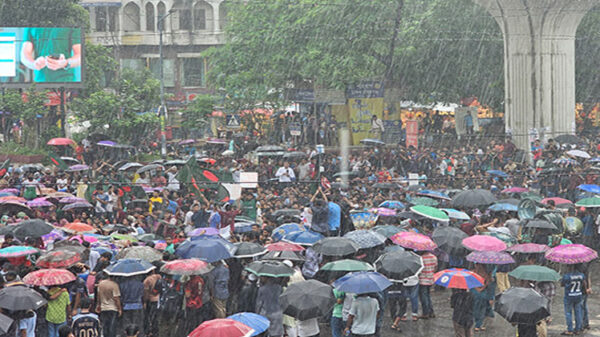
(387, 230)
(538, 223)
(399, 265)
(569, 254)
(307, 299)
(503, 207)
(270, 269)
(107, 143)
(269, 148)
(294, 155)
(522, 305)
(434, 194)
(473, 199)
(414, 241)
(145, 253)
(366, 238)
(129, 267)
(508, 239)
(34, 228)
(449, 239)
(456, 214)
(362, 282)
(284, 246)
(484, 243)
(593, 202)
(567, 139)
(20, 298)
(249, 249)
(49, 277)
(78, 167)
(285, 212)
(347, 265)
(186, 141)
(392, 204)
(78, 227)
(424, 201)
(497, 173)
(573, 224)
(306, 238)
(430, 213)
(77, 205)
(283, 255)
(222, 327)
(579, 154)
(528, 248)
(5, 323)
(204, 231)
(208, 249)
(60, 141)
(256, 322)
(186, 267)
(457, 278)
(149, 167)
(336, 246)
(176, 162)
(535, 273)
(556, 200)
(589, 188)
(515, 190)
(39, 202)
(372, 142)
(58, 259)
(128, 166)
(490, 257)
(16, 251)
(279, 232)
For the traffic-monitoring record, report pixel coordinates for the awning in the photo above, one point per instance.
(100, 3)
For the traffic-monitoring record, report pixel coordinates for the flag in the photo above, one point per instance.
(325, 183)
(198, 179)
(4, 167)
(56, 160)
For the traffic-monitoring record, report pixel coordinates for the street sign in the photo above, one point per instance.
(295, 129)
(233, 122)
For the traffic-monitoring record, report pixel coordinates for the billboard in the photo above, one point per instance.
(48, 57)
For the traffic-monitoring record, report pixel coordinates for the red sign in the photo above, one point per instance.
(412, 133)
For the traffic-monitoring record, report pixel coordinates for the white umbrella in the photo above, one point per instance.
(579, 153)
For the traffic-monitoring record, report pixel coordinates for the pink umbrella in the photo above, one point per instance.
(528, 248)
(71, 200)
(382, 211)
(39, 202)
(484, 243)
(557, 201)
(490, 257)
(13, 191)
(515, 190)
(571, 254)
(415, 241)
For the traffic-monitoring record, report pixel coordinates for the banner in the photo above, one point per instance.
(412, 134)
(364, 101)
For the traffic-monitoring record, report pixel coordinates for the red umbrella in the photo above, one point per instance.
(415, 241)
(222, 327)
(49, 277)
(58, 259)
(186, 267)
(79, 227)
(60, 141)
(557, 201)
(284, 246)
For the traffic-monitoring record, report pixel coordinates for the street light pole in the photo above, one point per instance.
(162, 109)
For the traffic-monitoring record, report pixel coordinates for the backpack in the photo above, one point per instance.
(171, 299)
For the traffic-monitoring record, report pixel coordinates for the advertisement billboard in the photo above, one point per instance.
(49, 57)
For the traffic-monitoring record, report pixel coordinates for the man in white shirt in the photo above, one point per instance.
(285, 173)
(362, 320)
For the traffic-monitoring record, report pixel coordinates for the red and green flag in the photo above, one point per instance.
(198, 179)
(56, 160)
(4, 168)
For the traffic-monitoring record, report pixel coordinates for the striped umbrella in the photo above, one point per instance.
(457, 278)
(17, 251)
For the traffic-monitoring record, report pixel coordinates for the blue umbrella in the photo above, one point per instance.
(303, 237)
(208, 249)
(256, 322)
(129, 267)
(589, 188)
(392, 204)
(456, 214)
(594, 160)
(504, 207)
(434, 194)
(242, 227)
(365, 238)
(497, 173)
(362, 282)
(287, 228)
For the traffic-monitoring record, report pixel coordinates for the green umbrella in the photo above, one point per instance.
(125, 237)
(588, 202)
(535, 273)
(430, 212)
(347, 266)
(424, 201)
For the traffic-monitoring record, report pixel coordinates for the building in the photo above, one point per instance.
(131, 28)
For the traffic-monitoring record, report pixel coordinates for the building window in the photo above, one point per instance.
(185, 20)
(199, 19)
(150, 17)
(113, 19)
(101, 19)
(131, 18)
(194, 71)
(168, 70)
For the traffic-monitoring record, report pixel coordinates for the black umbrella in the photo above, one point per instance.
(270, 269)
(20, 298)
(408, 215)
(283, 255)
(538, 223)
(307, 299)
(567, 139)
(149, 237)
(473, 199)
(14, 207)
(73, 246)
(249, 249)
(335, 246)
(5, 323)
(8, 229)
(511, 201)
(285, 212)
(522, 305)
(34, 228)
(449, 239)
(399, 265)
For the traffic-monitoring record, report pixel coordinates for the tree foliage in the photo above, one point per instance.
(43, 13)
(197, 113)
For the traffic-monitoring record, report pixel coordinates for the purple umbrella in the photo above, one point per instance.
(108, 143)
(39, 202)
(187, 141)
(204, 231)
(79, 167)
(571, 254)
(12, 191)
(70, 200)
(55, 235)
(77, 205)
(490, 257)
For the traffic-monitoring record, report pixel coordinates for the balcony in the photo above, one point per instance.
(178, 38)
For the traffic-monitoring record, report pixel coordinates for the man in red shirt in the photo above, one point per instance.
(193, 302)
(430, 264)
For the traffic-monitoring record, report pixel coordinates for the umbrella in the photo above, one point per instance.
(140, 252)
(365, 238)
(58, 259)
(456, 214)
(186, 267)
(387, 230)
(424, 201)
(149, 237)
(269, 148)
(294, 155)
(128, 166)
(270, 269)
(129, 267)
(284, 246)
(497, 173)
(77, 168)
(59, 195)
(285, 212)
(78, 227)
(522, 305)
(12, 191)
(392, 204)
(528, 248)
(579, 154)
(17, 251)
(362, 219)
(457, 278)
(362, 282)
(565, 161)
(243, 227)
(372, 142)
(434, 194)
(535, 273)
(347, 265)
(256, 322)
(490, 257)
(60, 141)
(209, 250)
(283, 255)
(307, 238)
(569, 254)
(573, 224)
(414, 241)
(508, 239)
(307, 299)
(530, 195)
(542, 224)
(473, 199)
(249, 249)
(409, 215)
(515, 190)
(502, 207)
(39, 202)
(336, 246)
(382, 211)
(176, 162)
(76, 205)
(222, 327)
(484, 243)
(209, 231)
(557, 200)
(399, 265)
(346, 174)
(123, 237)
(149, 167)
(593, 202)
(49, 277)
(107, 143)
(13, 198)
(187, 141)
(20, 298)
(430, 213)
(449, 239)
(34, 228)
(70, 160)
(567, 139)
(589, 188)
(14, 207)
(5, 323)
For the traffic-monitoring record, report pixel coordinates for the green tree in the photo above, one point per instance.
(196, 115)
(99, 67)
(43, 13)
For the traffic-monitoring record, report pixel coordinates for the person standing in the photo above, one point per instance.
(574, 283)
(362, 320)
(86, 323)
(151, 297)
(132, 293)
(108, 304)
(219, 289)
(267, 304)
(337, 323)
(377, 128)
(430, 264)
(461, 302)
(58, 310)
(27, 324)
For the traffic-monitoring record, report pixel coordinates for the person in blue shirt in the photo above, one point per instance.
(335, 217)
(588, 228)
(574, 283)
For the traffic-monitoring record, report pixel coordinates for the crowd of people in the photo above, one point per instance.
(322, 193)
